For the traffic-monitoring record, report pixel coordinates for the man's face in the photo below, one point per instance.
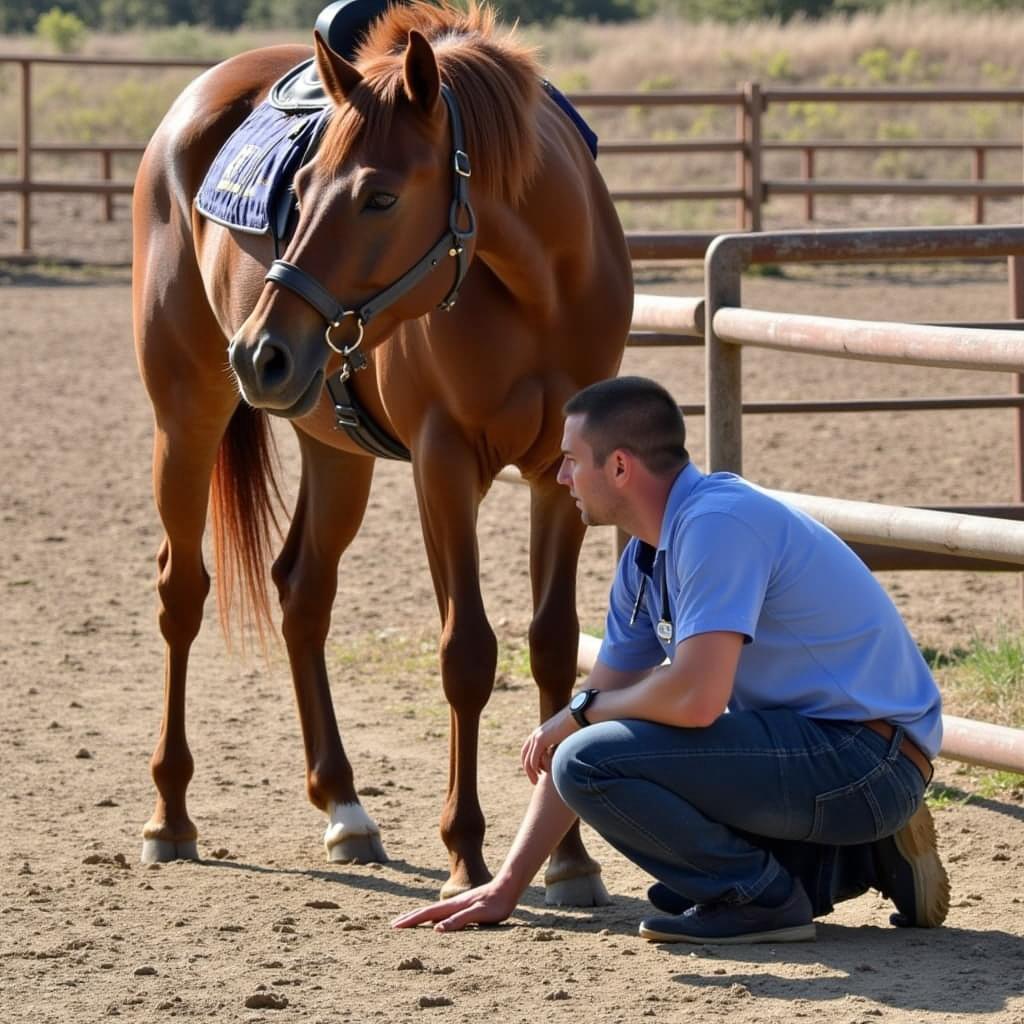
(596, 499)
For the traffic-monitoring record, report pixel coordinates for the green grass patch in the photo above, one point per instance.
(940, 797)
(391, 652)
(984, 680)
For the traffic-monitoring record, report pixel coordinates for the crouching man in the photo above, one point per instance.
(777, 763)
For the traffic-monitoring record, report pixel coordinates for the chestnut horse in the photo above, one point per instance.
(543, 309)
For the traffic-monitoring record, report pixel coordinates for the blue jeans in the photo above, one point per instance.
(717, 813)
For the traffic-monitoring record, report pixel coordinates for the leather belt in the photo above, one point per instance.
(908, 748)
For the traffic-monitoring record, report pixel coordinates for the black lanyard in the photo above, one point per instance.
(664, 626)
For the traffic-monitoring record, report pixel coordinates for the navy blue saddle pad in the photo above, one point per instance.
(561, 100)
(246, 185)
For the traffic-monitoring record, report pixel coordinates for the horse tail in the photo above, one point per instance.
(245, 502)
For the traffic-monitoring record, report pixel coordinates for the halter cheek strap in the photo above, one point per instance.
(453, 243)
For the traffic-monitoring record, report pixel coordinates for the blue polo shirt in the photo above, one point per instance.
(821, 636)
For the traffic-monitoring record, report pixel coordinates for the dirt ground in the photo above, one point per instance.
(86, 932)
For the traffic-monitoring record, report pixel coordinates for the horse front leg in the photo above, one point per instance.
(183, 460)
(333, 492)
(572, 877)
(449, 489)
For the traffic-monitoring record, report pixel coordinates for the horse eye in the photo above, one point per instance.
(381, 201)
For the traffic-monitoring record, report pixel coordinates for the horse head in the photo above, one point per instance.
(384, 232)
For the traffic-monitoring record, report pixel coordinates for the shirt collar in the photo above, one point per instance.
(682, 487)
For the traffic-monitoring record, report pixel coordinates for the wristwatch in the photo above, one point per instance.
(579, 704)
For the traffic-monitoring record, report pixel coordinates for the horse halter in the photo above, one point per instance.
(452, 243)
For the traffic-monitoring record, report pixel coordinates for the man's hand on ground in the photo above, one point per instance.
(486, 904)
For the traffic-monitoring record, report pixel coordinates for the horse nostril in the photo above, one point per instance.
(272, 362)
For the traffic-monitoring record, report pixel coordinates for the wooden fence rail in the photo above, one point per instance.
(750, 188)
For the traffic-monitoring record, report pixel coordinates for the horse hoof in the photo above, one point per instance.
(366, 849)
(160, 851)
(580, 891)
(453, 888)
(352, 836)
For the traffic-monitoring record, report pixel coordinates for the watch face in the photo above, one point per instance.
(579, 701)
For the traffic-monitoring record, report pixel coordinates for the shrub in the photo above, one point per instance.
(61, 29)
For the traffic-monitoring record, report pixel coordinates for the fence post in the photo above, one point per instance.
(621, 540)
(723, 394)
(107, 173)
(807, 166)
(750, 170)
(979, 175)
(741, 161)
(1015, 273)
(25, 159)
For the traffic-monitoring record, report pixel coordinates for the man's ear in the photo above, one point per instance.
(339, 77)
(421, 76)
(620, 467)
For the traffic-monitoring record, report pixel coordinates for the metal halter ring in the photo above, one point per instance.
(347, 349)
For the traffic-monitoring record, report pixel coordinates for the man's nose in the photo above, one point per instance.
(564, 476)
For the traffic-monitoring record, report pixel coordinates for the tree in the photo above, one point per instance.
(545, 11)
(64, 31)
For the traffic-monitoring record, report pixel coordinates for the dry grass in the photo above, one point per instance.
(954, 48)
(899, 47)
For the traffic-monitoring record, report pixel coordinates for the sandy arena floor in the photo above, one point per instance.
(86, 932)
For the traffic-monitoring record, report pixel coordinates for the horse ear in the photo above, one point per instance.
(338, 76)
(422, 77)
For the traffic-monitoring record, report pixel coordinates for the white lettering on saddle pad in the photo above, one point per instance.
(227, 182)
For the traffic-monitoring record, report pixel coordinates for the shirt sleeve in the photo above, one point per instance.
(723, 569)
(629, 647)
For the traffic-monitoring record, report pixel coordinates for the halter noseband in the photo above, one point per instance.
(452, 243)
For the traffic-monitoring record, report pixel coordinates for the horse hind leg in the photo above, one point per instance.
(333, 492)
(183, 460)
(572, 877)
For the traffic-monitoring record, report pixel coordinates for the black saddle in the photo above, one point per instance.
(342, 26)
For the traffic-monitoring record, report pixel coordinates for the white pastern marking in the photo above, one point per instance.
(346, 821)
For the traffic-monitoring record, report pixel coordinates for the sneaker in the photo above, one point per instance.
(728, 924)
(667, 900)
(908, 872)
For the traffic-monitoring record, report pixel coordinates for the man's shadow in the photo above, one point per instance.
(957, 970)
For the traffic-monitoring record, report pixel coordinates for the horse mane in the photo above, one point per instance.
(495, 79)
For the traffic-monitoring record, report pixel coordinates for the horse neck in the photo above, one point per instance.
(539, 246)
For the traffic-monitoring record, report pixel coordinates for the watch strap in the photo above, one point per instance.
(579, 711)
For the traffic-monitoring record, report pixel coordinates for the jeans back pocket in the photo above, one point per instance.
(876, 805)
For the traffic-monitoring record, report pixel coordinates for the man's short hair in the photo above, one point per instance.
(635, 414)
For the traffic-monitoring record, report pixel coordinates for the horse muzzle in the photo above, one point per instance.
(273, 375)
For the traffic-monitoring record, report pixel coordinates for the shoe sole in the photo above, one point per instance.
(799, 933)
(917, 844)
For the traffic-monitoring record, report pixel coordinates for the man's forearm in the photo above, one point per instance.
(690, 692)
(546, 821)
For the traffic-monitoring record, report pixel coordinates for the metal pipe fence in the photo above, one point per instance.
(729, 327)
